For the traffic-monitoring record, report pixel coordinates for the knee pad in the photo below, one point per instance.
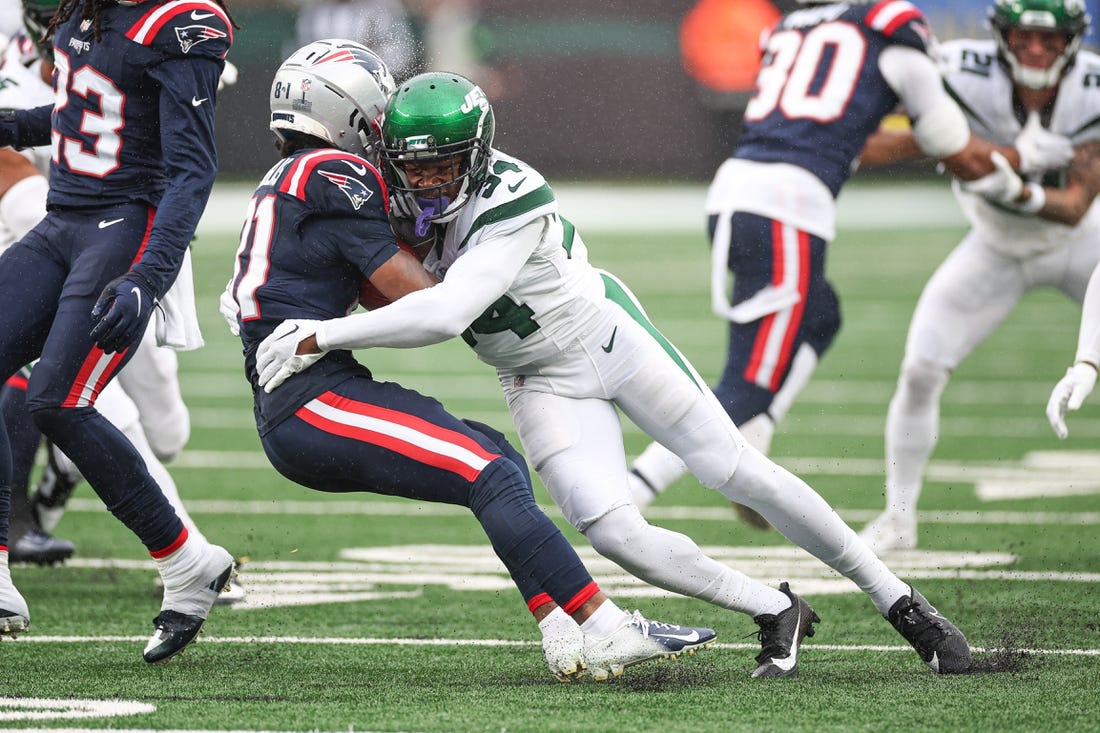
(613, 534)
(921, 382)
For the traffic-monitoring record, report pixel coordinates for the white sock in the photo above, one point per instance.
(659, 468)
(557, 623)
(912, 427)
(604, 621)
(758, 432)
(181, 571)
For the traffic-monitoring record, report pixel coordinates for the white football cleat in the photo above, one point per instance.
(14, 615)
(638, 640)
(564, 654)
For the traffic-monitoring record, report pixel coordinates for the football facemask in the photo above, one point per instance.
(1067, 17)
(436, 119)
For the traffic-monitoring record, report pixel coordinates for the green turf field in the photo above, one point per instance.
(374, 614)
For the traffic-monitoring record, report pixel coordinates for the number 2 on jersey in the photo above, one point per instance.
(102, 127)
(809, 77)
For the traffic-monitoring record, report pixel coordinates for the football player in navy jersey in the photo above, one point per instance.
(830, 73)
(133, 163)
(316, 236)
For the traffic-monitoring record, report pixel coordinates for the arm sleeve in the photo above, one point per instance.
(473, 283)
(1088, 339)
(26, 128)
(939, 126)
(191, 163)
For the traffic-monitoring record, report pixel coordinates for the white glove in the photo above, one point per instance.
(1068, 394)
(401, 206)
(276, 360)
(1002, 186)
(1040, 149)
(229, 309)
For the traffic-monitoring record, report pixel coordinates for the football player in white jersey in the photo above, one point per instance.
(571, 344)
(1025, 233)
(829, 74)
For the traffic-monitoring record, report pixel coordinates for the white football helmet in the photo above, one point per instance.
(335, 90)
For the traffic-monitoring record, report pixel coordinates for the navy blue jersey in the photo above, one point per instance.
(315, 227)
(133, 117)
(819, 93)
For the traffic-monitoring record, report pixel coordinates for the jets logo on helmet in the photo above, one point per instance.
(437, 117)
(334, 90)
(1066, 17)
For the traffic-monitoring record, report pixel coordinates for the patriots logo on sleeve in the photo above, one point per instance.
(191, 35)
(356, 191)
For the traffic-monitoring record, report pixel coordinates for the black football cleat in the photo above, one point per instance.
(173, 631)
(938, 642)
(35, 547)
(781, 636)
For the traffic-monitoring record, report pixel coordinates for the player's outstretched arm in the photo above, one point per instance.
(1080, 379)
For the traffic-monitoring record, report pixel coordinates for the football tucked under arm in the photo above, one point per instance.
(396, 277)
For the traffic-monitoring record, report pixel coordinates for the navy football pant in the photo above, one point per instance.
(767, 253)
(380, 437)
(50, 281)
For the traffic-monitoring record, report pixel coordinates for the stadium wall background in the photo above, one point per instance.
(584, 94)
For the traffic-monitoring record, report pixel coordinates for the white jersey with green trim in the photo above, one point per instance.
(556, 297)
(984, 91)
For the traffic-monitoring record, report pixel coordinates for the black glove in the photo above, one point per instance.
(123, 311)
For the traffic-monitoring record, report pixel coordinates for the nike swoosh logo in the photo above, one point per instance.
(611, 345)
(360, 169)
(515, 188)
(196, 15)
(137, 292)
(689, 638)
(195, 101)
(934, 662)
(104, 223)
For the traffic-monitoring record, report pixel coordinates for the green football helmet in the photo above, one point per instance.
(436, 117)
(37, 15)
(1065, 16)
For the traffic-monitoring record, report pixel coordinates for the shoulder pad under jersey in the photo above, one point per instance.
(335, 181)
(900, 22)
(185, 28)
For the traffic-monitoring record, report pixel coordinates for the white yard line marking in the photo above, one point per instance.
(440, 642)
(717, 514)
